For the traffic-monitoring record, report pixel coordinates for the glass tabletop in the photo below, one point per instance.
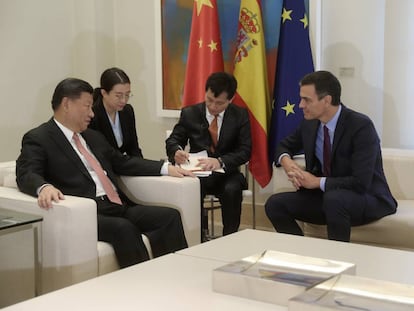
(10, 218)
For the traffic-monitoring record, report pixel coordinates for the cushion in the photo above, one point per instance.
(390, 231)
(9, 181)
(106, 258)
(8, 174)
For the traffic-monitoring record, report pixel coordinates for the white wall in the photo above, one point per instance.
(42, 42)
(375, 38)
(135, 52)
(398, 125)
(353, 49)
(45, 41)
(32, 59)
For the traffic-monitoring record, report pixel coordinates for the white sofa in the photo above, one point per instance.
(393, 231)
(70, 250)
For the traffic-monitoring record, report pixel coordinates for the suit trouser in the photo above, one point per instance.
(228, 189)
(338, 209)
(122, 226)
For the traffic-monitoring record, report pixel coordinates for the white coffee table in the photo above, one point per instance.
(171, 282)
(183, 281)
(373, 262)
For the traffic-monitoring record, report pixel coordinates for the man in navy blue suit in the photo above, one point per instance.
(343, 184)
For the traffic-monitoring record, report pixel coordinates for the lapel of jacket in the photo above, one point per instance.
(204, 124)
(226, 125)
(202, 111)
(106, 124)
(125, 122)
(64, 145)
(310, 143)
(339, 130)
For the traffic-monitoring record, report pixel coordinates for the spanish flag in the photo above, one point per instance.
(205, 54)
(251, 73)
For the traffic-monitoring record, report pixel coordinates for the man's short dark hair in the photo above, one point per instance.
(220, 82)
(71, 88)
(325, 84)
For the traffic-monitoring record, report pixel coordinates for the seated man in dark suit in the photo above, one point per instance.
(343, 184)
(223, 130)
(63, 156)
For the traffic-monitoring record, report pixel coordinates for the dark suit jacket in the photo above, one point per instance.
(101, 123)
(48, 157)
(234, 144)
(356, 160)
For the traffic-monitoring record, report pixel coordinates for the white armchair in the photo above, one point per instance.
(70, 250)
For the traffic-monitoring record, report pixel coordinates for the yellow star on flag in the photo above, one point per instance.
(288, 108)
(286, 15)
(304, 20)
(200, 4)
(212, 46)
(200, 43)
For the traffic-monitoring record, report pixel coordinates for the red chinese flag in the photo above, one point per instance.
(253, 92)
(205, 54)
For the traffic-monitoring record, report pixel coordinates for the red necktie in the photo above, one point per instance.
(213, 129)
(96, 166)
(326, 152)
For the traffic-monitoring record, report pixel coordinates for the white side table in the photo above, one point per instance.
(19, 256)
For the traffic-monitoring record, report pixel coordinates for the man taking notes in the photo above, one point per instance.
(222, 129)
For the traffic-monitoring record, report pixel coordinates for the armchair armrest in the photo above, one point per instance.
(69, 237)
(179, 193)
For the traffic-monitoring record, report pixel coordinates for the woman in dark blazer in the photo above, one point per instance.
(114, 117)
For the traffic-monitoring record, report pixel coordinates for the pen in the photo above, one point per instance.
(181, 148)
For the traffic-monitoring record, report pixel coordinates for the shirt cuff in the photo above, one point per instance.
(41, 188)
(322, 183)
(164, 168)
(281, 156)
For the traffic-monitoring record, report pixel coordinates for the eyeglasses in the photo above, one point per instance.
(121, 96)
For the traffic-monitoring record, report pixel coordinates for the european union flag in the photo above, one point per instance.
(294, 60)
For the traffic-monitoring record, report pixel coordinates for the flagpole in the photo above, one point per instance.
(254, 202)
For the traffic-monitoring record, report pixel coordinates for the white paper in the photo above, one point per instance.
(192, 164)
